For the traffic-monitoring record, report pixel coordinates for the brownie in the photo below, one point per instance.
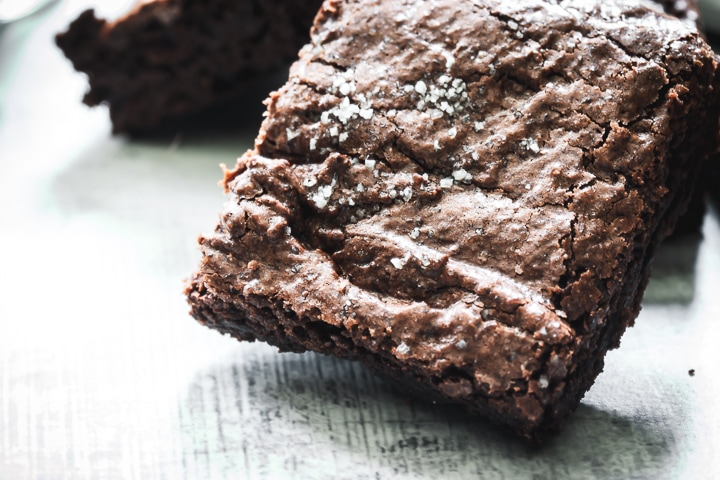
(169, 58)
(472, 215)
(690, 223)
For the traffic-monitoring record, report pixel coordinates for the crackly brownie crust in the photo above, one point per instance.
(168, 58)
(474, 215)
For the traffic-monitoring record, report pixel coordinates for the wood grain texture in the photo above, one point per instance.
(103, 374)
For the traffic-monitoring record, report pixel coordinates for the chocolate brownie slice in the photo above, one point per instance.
(168, 58)
(473, 215)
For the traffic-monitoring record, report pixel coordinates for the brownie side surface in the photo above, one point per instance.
(690, 223)
(168, 58)
(474, 215)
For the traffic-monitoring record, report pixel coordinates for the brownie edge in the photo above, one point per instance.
(474, 215)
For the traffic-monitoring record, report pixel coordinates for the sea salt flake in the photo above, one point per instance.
(530, 144)
(366, 113)
(397, 262)
(449, 60)
(345, 111)
(407, 193)
(347, 88)
(460, 174)
(291, 133)
(326, 191)
(320, 200)
(446, 183)
(402, 349)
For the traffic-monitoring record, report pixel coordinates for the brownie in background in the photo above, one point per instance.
(169, 58)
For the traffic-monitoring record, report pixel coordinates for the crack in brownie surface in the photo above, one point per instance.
(473, 214)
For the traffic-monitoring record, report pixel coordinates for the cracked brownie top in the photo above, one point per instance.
(468, 189)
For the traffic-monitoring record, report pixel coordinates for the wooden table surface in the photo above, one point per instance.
(103, 374)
